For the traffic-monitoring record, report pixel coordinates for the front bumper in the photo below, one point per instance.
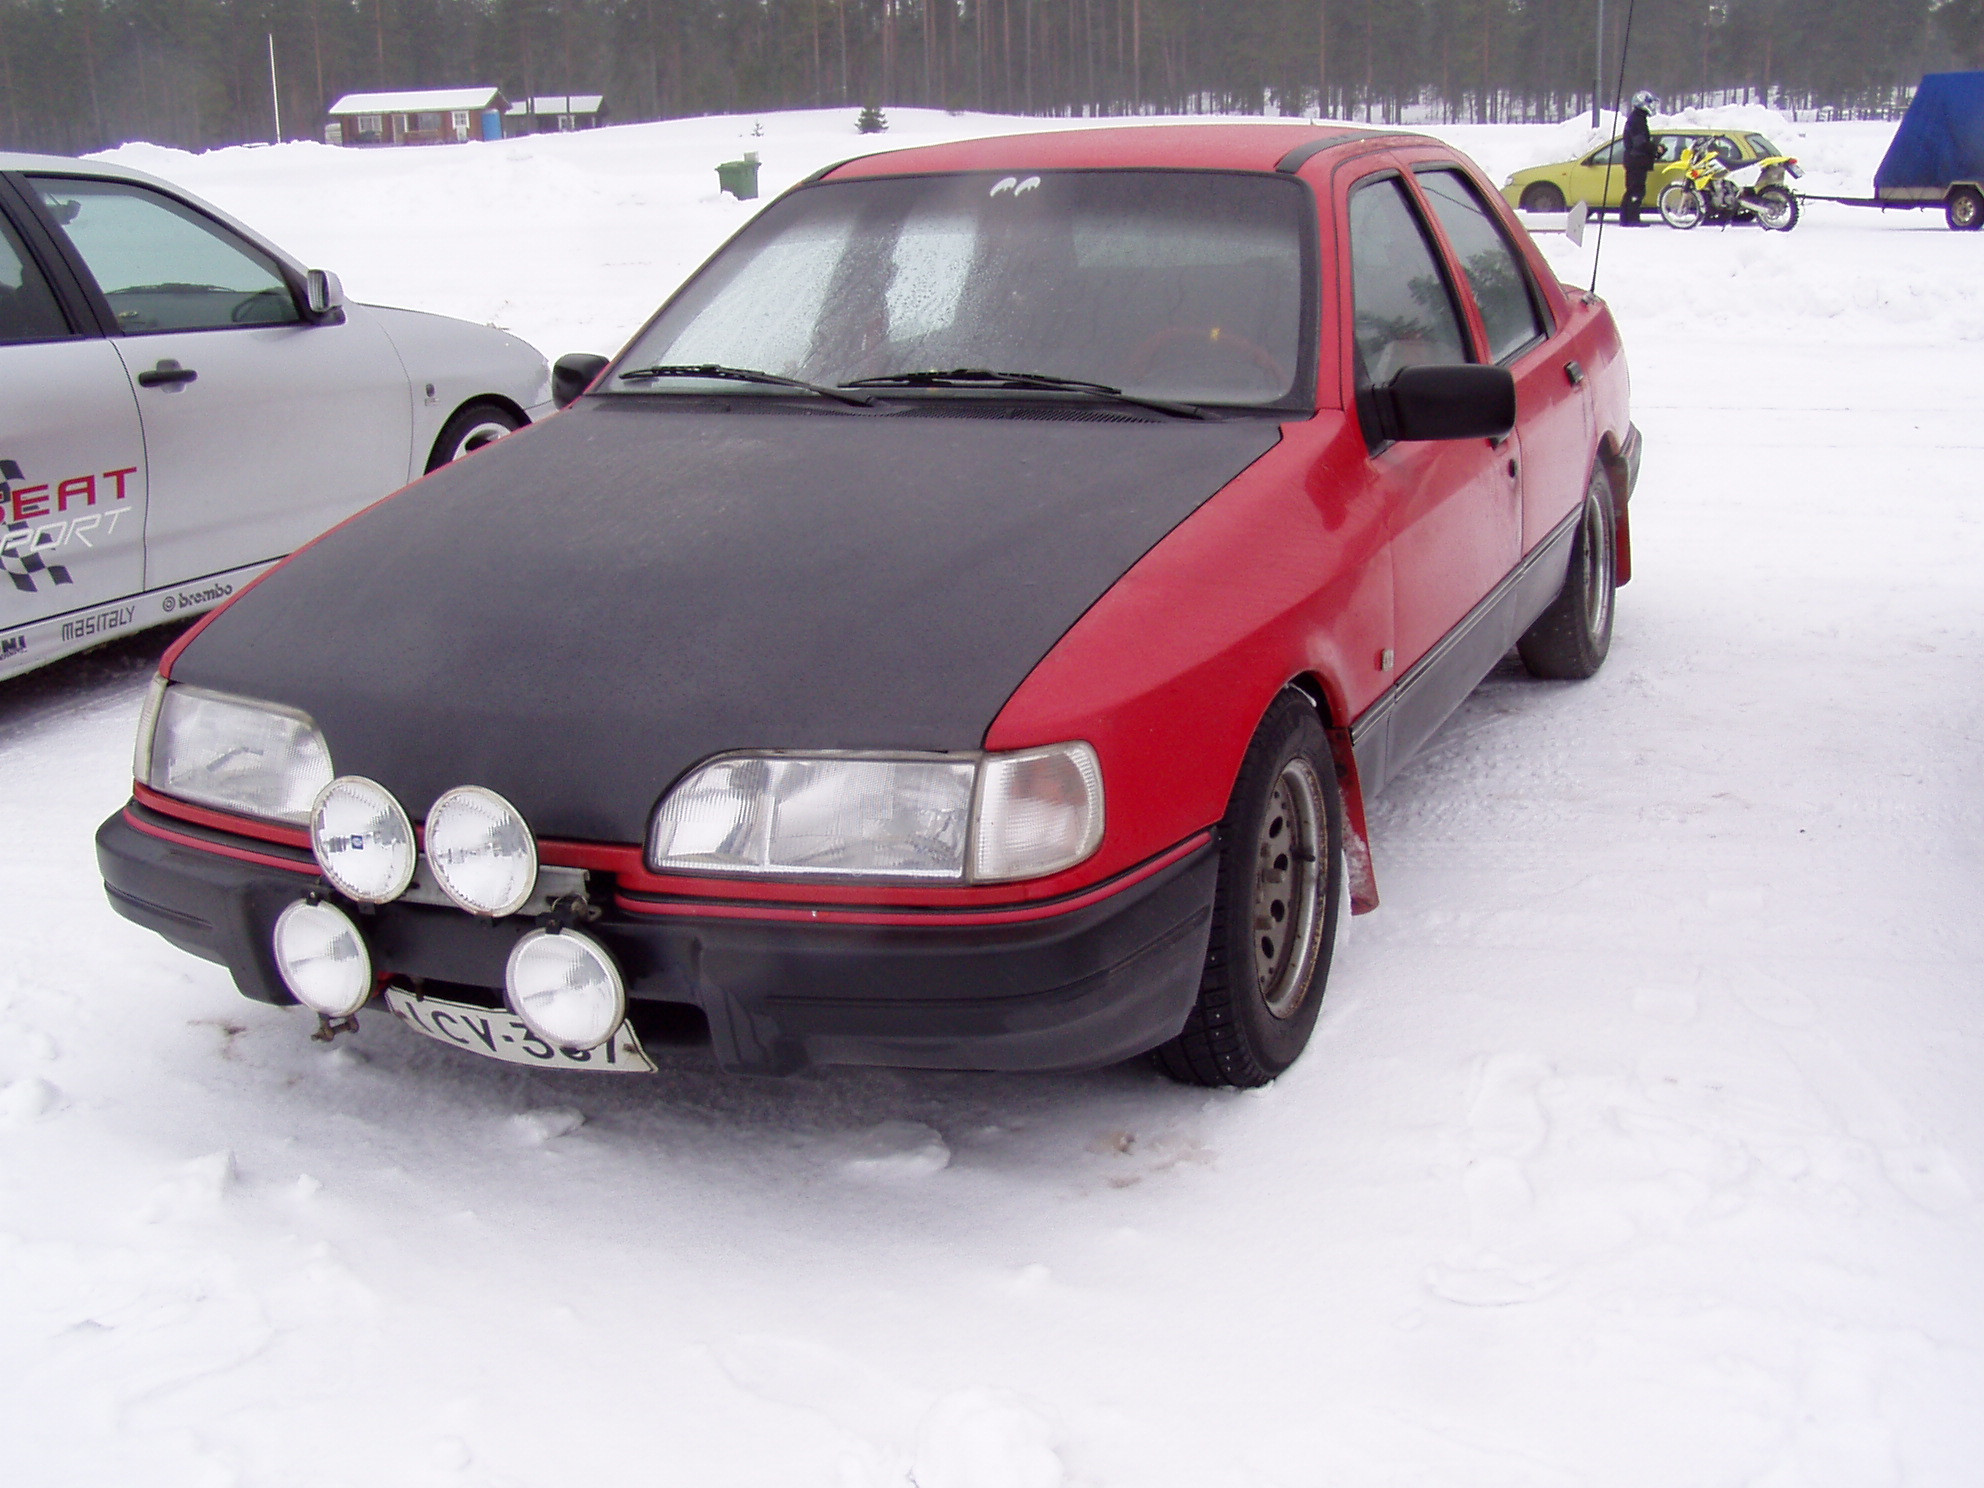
(1073, 990)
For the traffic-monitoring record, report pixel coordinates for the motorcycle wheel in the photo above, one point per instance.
(1776, 209)
(1681, 206)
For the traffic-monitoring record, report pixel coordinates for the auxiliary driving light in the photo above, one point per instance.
(481, 851)
(565, 988)
(323, 959)
(363, 840)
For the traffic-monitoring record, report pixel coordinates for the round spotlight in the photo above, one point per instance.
(566, 988)
(323, 959)
(362, 839)
(482, 853)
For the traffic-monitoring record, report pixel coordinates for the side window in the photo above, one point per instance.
(1494, 272)
(1666, 148)
(1405, 315)
(163, 266)
(28, 311)
(1612, 154)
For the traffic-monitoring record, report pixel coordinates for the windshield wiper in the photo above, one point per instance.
(720, 373)
(1032, 382)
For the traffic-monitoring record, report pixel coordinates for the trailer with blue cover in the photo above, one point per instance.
(1937, 156)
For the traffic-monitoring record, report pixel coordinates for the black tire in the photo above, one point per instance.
(1542, 196)
(1963, 209)
(1569, 640)
(1777, 209)
(1275, 912)
(472, 427)
(1680, 206)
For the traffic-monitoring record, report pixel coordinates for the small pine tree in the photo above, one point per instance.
(872, 120)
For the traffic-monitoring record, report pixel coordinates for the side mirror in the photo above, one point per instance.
(323, 296)
(1447, 402)
(573, 373)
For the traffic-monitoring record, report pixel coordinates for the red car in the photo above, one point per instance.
(962, 630)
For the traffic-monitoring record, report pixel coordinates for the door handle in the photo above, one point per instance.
(1575, 372)
(167, 374)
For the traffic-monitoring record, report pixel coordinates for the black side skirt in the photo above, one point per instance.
(1393, 728)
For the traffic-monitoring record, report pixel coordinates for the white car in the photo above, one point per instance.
(182, 403)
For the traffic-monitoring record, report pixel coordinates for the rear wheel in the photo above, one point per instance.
(1276, 910)
(470, 429)
(1569, 641)
(1776, 209)
(1542, 196)
(1681, 206)
(1964, 209)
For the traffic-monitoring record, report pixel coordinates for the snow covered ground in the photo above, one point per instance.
(1640, 1143)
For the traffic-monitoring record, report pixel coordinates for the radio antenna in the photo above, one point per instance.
(1618, 97)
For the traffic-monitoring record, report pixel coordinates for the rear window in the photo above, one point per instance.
(1186, 285)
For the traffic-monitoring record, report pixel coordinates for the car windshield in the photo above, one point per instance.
(1180, 285)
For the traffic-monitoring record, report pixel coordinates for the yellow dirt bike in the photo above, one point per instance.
(1709, 191)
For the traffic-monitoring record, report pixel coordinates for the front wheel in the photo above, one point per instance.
(469, 430)
(1569, 641)
(1964, 209)
(1277, 909)
(1776, 209)
(1681, 206)
(1542, 196)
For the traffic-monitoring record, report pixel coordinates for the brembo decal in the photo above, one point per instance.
(212, 594)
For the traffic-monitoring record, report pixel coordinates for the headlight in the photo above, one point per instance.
(362, 839)
(565, 988)
(481, 851)
(323, 959)
(928, 817)
(230, 752)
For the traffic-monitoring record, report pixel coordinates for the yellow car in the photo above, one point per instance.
(1552, 188)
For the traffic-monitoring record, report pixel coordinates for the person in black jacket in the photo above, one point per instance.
(1639, 158)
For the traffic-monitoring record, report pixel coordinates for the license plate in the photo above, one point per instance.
(496, 1034)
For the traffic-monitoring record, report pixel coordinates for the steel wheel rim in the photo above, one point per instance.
(1597, 560)
(484, 433)
(1289, 867)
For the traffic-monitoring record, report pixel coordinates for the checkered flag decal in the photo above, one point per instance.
(16, 562)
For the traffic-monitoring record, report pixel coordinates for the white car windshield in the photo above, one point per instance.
(1180, 285)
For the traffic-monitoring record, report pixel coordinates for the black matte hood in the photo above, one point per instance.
(578, 614)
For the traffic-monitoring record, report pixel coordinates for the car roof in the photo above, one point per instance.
(69, 165)
(1243, 147)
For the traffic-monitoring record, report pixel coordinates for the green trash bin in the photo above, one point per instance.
(739, 177)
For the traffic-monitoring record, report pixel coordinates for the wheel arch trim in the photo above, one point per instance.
(507, 404)
(1357, 858)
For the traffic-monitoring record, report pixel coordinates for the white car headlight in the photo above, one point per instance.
(235, 753)
(793, 815)
(565, 988)
(918, 817)
(323, 959)
(362, 839)
(482, 851)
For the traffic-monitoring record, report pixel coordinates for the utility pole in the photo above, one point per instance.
(1598, 67)
(275, 98)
